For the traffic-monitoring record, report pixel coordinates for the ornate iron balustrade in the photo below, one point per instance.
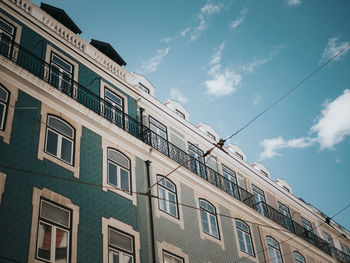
(84, 96)
(292, 226)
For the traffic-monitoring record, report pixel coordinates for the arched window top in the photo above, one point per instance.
(241, 225)
(4, 93)
(272, 242)
(207, 206)
(61, 126)
(298, 257)
(118, 158)
(166, 183)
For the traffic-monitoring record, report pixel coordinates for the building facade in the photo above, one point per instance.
(93, 168)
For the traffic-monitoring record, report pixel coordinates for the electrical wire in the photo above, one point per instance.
(289, 92)
(314, 228)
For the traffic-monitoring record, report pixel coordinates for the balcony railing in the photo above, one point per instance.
(84, 96)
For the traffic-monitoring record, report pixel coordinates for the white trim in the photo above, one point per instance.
(170, 248)
(123, 227)
(108, 187)
(2, 184)
(59, 199)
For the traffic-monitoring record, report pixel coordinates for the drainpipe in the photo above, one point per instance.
(148, 163)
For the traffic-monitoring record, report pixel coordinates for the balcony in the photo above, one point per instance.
(28, 61)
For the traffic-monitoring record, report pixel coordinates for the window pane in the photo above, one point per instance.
(61, 127)
(113, 256)
(2, 115)
(112, 174)
(241, 241)
(61, 254)
(66, 151)
(6, 27)
(54, 213)
(44, 241)
(118, 158)
(172, 204)
(126, 259)
(120, 240)
(60, 62)
(205, 222)
(162, 201)
(124, 179)
(51, 143)
(3, 94)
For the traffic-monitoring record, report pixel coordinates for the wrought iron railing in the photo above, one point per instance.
(84, 96)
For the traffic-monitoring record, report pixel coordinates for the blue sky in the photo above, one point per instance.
(227, 60)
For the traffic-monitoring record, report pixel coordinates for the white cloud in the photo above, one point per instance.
(222, 82)
(206, 12)
(234, 24)
(257, 99)
(271, 146)
(244, 11)
(332, 48)
(151, 64)
(177, 95)
(250, 66)
(331, 128)
(334, 124)
(293, 2)
(166, 40)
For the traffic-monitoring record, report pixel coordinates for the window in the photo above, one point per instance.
(197, 160)
(265, 174)
(171, 258)
(285, 216)
(259, 197)
(230, 182)
(244, 237)
(308, 229)
(4, 103)
(118, 170)
(120, 247)
(7, 33)
(274, 250)
(209, 220)
(345, 249)
(298, 257)
(144, 88)
(167, 196)
(61, 74)
(211, 136)
(329, 240)
(159, 135)
(60, 139)
(240, 156)
(114, 107)
(54, 230)
(180, 114)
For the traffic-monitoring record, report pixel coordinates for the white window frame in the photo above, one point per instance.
(2, 184)
(54, 226)
(207, 217)
(61, 72)
(112, 106)
(119, 168)
(231, 181)
(164, 201)
(159, 135)
(260, 200)
(60, 138)
(286, 216)
(299, 258)
(197, 164)
(246, 235)
(11, 35)
(114, 249)
(59, 200)
(5, 104)
(174, 258)
(274, 250)
(112, 223)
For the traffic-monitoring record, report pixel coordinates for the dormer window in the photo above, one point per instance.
(180, 114)
(213, 137)
(264, 173)
(239, 155)
(144, 88)
(285, 188)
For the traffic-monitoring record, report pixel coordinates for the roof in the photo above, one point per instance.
(109, 51)
(61, 16)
